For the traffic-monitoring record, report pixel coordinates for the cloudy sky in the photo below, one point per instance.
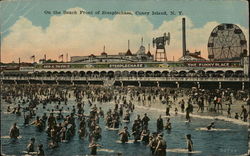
(27, 30)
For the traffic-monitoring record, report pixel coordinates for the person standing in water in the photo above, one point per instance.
(145, 121)
(124, 134)
(161, 147)
(182, 103)
(229, 111)
(159, 124)
(236, 116)
(31, 145)
(145, 136)
(168, 111)
(153, 142)
(244, 113)
(40, 151)
(189, 143)
(176, 110)
(93, 147)
(168, 125)
(14, 132)
(188, 114)
(136, 131)
(209, 127)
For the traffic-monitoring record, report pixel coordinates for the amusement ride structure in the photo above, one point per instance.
(227, 42)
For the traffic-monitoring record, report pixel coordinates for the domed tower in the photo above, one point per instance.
(142, 50)
(104, 53)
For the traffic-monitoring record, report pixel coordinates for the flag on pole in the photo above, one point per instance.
(61, 56)
(32, 57)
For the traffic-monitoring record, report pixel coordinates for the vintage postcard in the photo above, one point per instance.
(125, 77)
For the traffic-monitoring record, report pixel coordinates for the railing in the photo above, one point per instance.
(109, 82)
(236, 79)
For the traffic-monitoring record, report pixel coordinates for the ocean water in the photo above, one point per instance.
(227, 139)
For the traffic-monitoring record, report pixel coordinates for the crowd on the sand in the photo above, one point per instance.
(61, 128)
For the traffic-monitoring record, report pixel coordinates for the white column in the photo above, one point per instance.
(219, 85)
(198, 85)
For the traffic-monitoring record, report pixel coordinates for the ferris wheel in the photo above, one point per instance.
(227, 42)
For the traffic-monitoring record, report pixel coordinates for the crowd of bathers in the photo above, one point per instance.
(26, 100)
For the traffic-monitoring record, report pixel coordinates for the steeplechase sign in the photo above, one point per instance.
(131, 65)
(216, 64)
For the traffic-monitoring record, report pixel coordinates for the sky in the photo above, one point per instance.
(27, 29)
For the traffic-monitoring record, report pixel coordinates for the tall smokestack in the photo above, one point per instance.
(183, 37)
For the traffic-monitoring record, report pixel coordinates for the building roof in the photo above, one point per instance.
(149, 54)
(196, 56)
(104, 53)
(141, 51)
(92, 55)
(128, 53)
(192, 56)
